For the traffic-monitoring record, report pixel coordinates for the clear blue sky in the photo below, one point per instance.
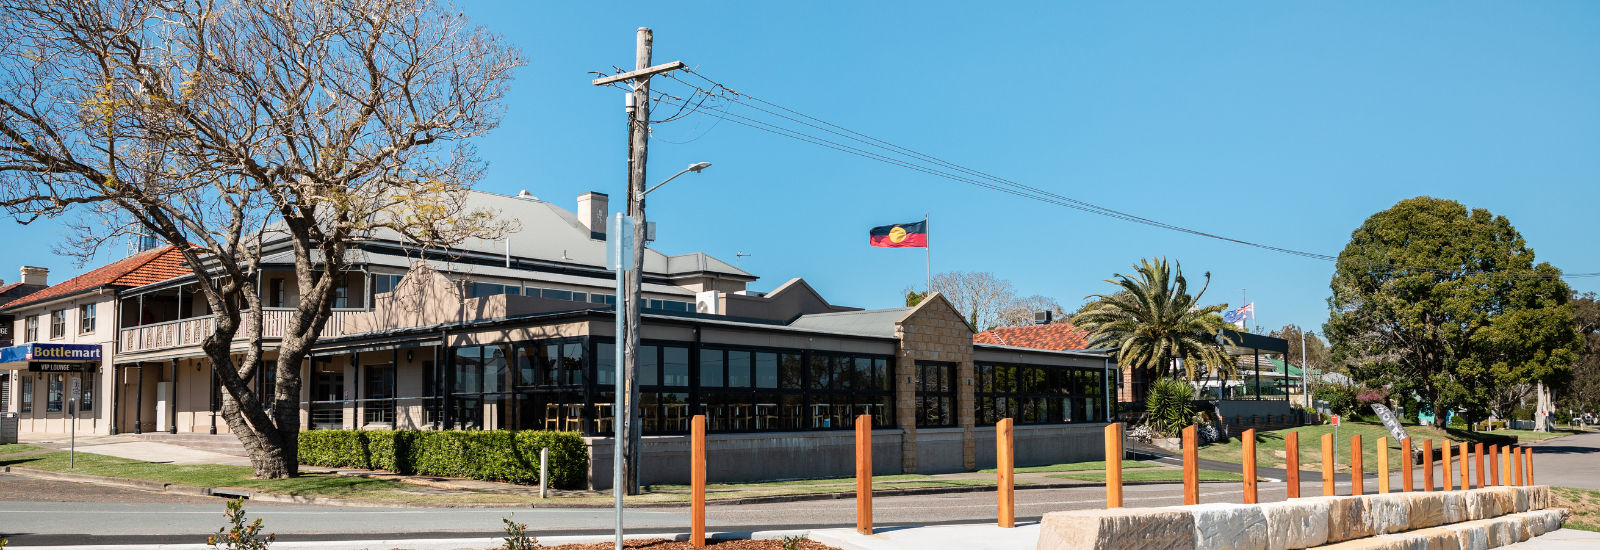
(1277, 122)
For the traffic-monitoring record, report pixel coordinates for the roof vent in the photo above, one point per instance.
(526, 195)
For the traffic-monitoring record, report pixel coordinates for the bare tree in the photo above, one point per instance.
(1020, 311)
(231, 128)
(978, 295)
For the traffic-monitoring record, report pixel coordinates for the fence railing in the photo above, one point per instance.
(191, 332)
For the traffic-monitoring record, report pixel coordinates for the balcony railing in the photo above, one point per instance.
(191, 332)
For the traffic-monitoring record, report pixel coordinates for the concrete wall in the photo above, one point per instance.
(750, 457)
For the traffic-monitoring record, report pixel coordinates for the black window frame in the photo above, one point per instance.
(926, 376)
(1057, 395)
(878, 394)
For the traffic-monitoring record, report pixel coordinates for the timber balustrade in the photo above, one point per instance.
(193, 331)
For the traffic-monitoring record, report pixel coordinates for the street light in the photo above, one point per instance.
(696, 168)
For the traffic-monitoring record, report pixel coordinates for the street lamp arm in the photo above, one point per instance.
(696, 168)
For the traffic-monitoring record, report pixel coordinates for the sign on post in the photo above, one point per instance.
(77, 389)
(619, 233)
(1336, 420)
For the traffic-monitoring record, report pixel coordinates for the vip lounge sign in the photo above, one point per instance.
(1391, 422)
(34, 366)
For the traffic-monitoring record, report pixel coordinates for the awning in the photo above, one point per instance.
(17, 357)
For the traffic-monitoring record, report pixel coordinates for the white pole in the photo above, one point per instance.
(927, 249)
(544, 472)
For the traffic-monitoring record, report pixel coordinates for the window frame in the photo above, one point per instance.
(922, 395)
(30, 329)
(58, 324)
(1058, 401)
(86, 318)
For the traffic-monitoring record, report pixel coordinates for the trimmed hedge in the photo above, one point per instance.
(493, 455)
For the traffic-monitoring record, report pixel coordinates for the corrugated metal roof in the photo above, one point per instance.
(872, 322)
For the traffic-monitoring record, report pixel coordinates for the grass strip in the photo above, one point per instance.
(1078, 467)
(15, 448)
(1154, 475)
(1584, 504)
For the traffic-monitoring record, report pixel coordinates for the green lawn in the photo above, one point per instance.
(308, 484)
(1370, 432)
(15, 448)
(1584, 504)
(1154, 475)
(1077, 467)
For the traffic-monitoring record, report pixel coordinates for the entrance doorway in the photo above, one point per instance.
(327, 401)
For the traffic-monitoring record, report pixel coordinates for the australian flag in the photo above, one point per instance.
(1239, 316)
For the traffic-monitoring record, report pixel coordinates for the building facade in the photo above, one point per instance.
(519, 334)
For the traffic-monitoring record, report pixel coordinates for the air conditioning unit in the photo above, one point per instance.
(1042, 317)
(708, 302)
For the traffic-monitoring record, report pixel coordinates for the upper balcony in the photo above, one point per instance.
(192, 331)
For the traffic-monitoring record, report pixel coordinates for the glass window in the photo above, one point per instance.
(496, 375)
(469, 370)
(766, 370)
(53, 395)
(820, 373)
(674, 366)
(791, 373)
(649, 365)
(480, 290)
(711, 368)
(602, 299)
(555, 294)
(86, 403)
(27, 392)
(30, 331)
(605, 363)
(527, 374)
(86, 317)
(738, 369)
(580, 297)
(58, 323)
(934, 397)
(572, 364)
(549, 365)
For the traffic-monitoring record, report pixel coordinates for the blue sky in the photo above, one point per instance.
(1286, 123)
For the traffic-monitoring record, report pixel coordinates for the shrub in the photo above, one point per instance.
(1171, 405)
(1340, 399)
(491, 455)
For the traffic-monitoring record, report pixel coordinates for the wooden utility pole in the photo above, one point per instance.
(638, 109)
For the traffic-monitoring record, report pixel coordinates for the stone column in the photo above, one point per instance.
(905, 405)
(966, 404)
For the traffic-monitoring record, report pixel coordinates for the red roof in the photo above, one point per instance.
(1055, 336)
(7, 288)
(150, 266)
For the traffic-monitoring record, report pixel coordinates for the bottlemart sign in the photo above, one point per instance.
(51, 352)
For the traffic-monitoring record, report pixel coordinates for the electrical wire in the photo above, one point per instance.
(918, 161)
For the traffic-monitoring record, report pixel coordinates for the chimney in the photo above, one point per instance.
(592, 211)
(35, 275)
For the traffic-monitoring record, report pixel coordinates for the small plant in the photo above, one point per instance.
(793, 542)
(517, 535)
(240, 536)
(1171, 405)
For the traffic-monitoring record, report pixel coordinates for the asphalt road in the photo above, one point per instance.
(42, 512)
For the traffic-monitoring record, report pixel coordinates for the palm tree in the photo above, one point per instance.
(1152, 320)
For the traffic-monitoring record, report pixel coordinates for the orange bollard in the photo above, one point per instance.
(1250, 466)
(1505, 465)
(1191, 465)
(1516, 463)
(1114, 454)
(1383, 465)
(1449, 469)
(1465, 478)
(864, 474)
(1004, 461)
(1328, 465)
(697, 480)
(1527, 454)
(1427, 464)
(1357, 483)
(1477, 454)
(1407, 466)
(1494, 465)
(1291, 451)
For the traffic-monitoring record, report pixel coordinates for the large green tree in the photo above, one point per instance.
(1152, 320)
(1448, 305)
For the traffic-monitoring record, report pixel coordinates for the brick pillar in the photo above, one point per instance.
(966, 417)
(905, 407)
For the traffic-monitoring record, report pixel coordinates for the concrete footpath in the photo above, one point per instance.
(954, 537)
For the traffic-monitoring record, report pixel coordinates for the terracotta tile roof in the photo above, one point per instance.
(1055, 336)
(146, 267)
(7, 288)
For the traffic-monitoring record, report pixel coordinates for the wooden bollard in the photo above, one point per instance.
(1494, 465)
(1449, 469)
(1191, 465)
(1407, 466)
(1477, 455)
(1329, 464)
(1004, 461)
(1516, 463)
(1383, 465)
(1250, 466)
(864, 474)
(1357, 484)
(1427, 464)
(697, 480)
(1465, 462)
(1291, 453)
(1114, 454)
(1527, 453)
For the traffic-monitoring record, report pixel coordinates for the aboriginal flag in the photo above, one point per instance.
(905, 235)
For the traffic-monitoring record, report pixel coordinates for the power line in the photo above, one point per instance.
(918, 161)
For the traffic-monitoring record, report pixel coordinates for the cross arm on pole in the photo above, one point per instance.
(641, 73)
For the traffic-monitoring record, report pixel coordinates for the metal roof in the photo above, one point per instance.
(872, 322)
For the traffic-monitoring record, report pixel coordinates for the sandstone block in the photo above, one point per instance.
(1519, 499)
(1426, 510)
(1347, 518)
(1118, 529)
(1228, 526)
(1471, 535)
(1368, 543)
(1455, 506)
(1435, 538)
(1297, 523)
(1502, 531)
(1390, 513)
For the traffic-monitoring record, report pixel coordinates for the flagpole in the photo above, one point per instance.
(927, 249)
